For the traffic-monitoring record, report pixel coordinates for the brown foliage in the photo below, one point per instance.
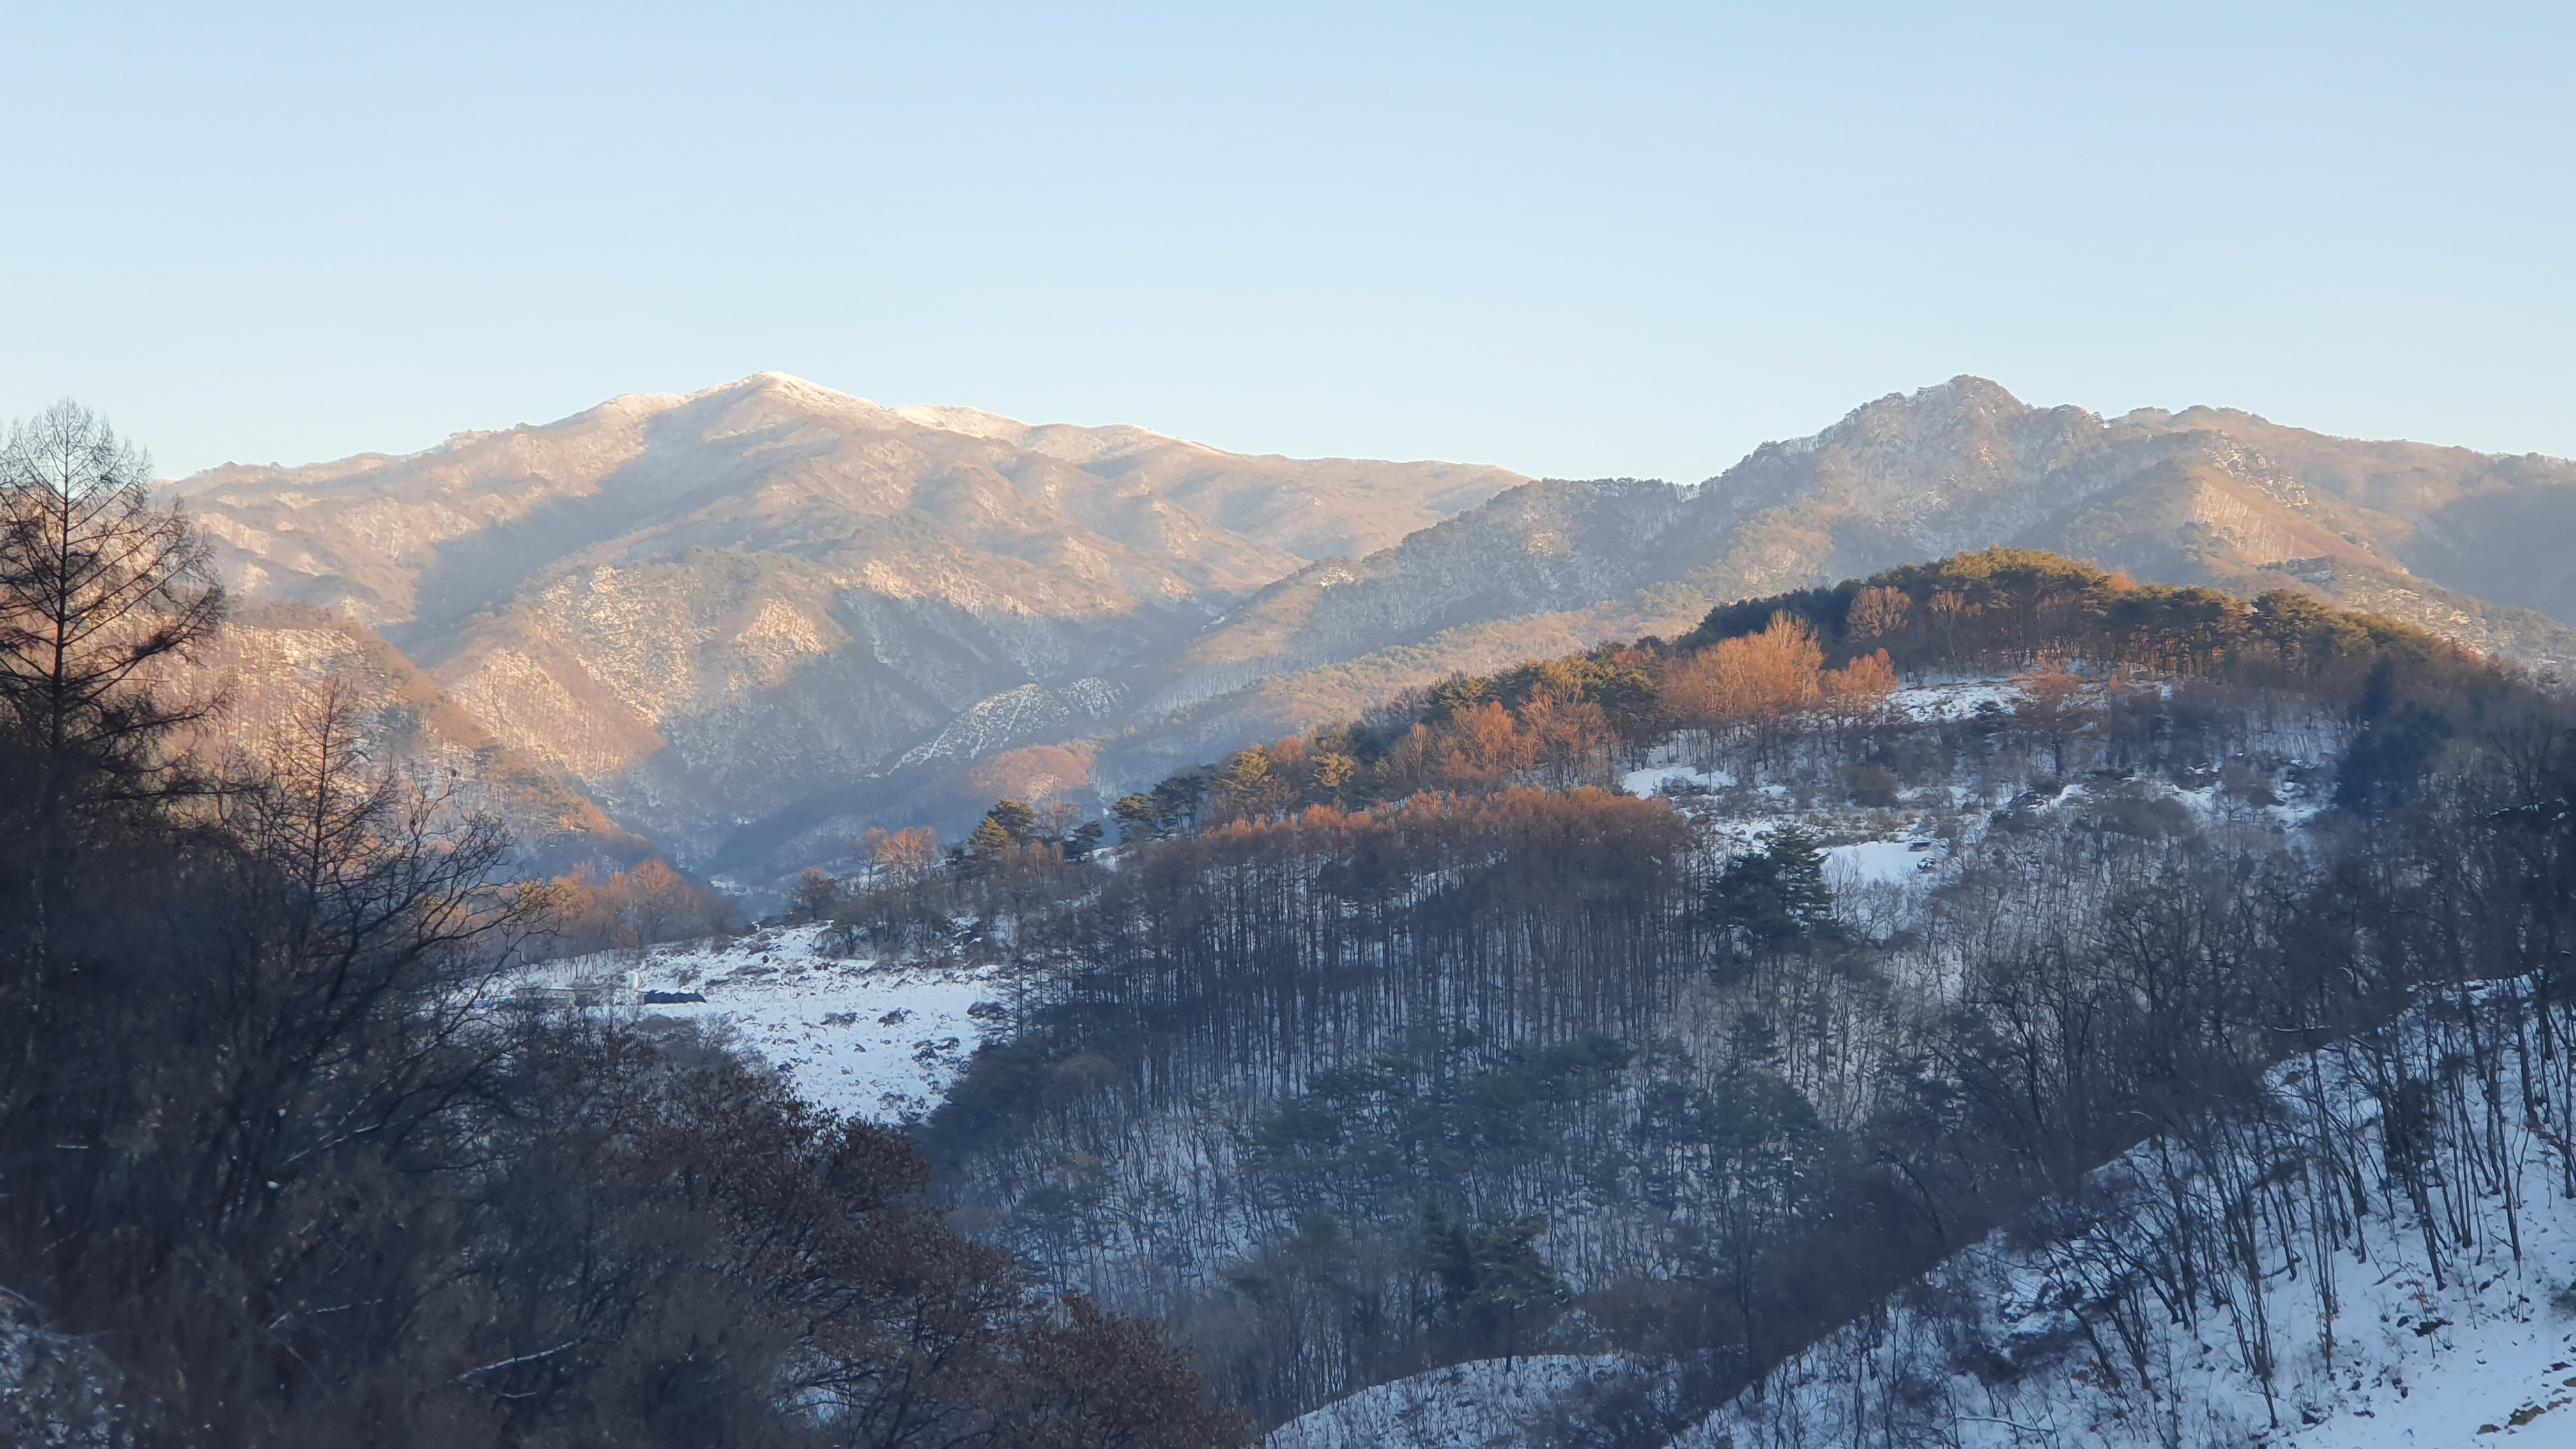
(1568, 740)
(1483, 748)
(1100, 1381)
(1753, 677)
(1036, 773)
(1876, 612)
(647, 905)
(2055, 705)
(900, 857)
(1863, 684)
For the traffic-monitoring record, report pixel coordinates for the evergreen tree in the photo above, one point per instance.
(1017, 819)
(1776, 897)
(1513, 1283)
(1139, 817)
(2395, 745)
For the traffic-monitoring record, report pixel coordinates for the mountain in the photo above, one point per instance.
(279, 662)
(752, 620)
(1094, 519)
(2433, 536)
(703, 609)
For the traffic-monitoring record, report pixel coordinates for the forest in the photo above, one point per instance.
(1422, 1039)
(1681, 999)
(280, 1165)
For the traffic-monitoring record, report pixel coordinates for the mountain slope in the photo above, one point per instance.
(2203, 496)
(1116, 516)
(277, 664)
(751, 620)
(2356, 1328)
(704, 608)
(2196, 497)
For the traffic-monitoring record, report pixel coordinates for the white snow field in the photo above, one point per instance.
(855, 1036)
(1888, 862)
(1674, 779)
(1953, 698)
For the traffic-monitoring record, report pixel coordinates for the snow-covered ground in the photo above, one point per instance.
(2477, 1350)
(1484, 1405)
(857, 1037)
(2480, 1353)
(1894, 862)
(1952, 699)
(1674, 779)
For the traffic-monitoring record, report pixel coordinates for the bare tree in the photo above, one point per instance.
(96, 581)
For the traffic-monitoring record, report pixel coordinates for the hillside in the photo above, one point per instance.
(277, 665)
(701, 609)
(753, 621)
(1993, 996)
(1589, 1040)
(2352, 1319)
(2204, 496)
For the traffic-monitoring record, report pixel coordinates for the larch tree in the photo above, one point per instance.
(97, 582)
(1876, 612)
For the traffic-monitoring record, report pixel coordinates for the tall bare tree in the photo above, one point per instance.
(97, 581)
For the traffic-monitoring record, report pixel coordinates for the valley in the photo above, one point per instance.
(1361, 1000)
(1288, 727)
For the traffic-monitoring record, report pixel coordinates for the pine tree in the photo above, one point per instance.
(1775, 898)
(988, 839)
(1512, 1281)
(1016, 819)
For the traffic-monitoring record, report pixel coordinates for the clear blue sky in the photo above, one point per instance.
(1573, 240)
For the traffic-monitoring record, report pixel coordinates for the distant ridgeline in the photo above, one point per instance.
(1757, 667)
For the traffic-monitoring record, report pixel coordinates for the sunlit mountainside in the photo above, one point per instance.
(750, 621)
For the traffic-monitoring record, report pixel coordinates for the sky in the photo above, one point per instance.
(1575, 240)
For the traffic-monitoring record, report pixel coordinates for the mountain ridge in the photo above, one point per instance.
(750, 619)
(2169, 495)
(693, 604)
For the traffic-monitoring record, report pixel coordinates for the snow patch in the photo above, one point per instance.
(1955, 700)
(1872, 862)
(854, 1036)
(1488, 1404)
(1674, 780)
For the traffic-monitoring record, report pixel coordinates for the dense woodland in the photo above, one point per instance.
(1415, 1040)
(280, 1164)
